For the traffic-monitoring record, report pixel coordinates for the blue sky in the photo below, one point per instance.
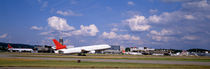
(179, 24)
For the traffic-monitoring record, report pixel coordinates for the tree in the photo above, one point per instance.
(127, 49)
(197, 50)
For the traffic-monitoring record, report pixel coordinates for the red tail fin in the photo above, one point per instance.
(58, 45)
(9, 46)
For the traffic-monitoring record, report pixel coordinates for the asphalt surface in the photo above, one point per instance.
(73, 68)
(117, 60)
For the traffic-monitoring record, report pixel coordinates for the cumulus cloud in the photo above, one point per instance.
(113, 35)
(130, 3)
(141, 23)
(190, 17)
(114, 29)
(196, 4)
(138, 23)
(153, 11)
(163, 35)
(155, 19)
(68, 13)
(3, 35)
(190, 37)
(161, 38)
(162, 32)
(161, 27)
(110, 35)
(90, 30)
(196, 10)
(36, 28)
(45, 33)
(59, 24)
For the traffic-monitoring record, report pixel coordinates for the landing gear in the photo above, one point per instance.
(60, 52)
(81, 54)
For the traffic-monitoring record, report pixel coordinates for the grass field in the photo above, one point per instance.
(106, 56)
(9, 62)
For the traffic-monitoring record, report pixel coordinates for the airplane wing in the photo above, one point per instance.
(84, 51)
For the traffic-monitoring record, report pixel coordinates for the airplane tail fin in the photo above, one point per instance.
(58, 45)
(9, 46)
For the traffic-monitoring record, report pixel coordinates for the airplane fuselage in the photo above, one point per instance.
(81, 49)
(20, 49)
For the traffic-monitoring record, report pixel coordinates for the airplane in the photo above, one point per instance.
(62, 49)
(11, 49)
(133, 53)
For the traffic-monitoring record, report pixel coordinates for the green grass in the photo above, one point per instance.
(10, 62)
(108, 56)
(198, 59)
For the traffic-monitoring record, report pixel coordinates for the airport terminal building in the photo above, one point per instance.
(115, 49)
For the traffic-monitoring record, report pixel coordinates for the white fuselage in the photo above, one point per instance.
(20, 49)
(85, 48)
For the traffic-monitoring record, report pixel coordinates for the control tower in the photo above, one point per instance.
(61, 40)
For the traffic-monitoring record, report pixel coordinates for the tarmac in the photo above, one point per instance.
(73, 68)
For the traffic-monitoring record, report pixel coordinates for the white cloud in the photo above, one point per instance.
(191, 10)
(90, 30)
(114, 29)
(190, 17)
(190, 37)
(113, 35)
(200, 4)
(138, 23)
(3, 35)
(36, 28)
(110, 35)
(68, 13)
(166, 17)
(154, 19)
(157, 38)
(59, 24)
(128, 37)
(131, 3)
(66, 34)
(162, 32)
(162, 35)
(131, 13)
(153, 11)
(161, 38)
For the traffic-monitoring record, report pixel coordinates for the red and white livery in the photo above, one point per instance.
(11, 49)
(62, 49)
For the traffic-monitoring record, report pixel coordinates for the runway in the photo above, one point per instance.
(117, 60)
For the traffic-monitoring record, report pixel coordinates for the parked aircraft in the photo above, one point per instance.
(62, 49)
(11, 49)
